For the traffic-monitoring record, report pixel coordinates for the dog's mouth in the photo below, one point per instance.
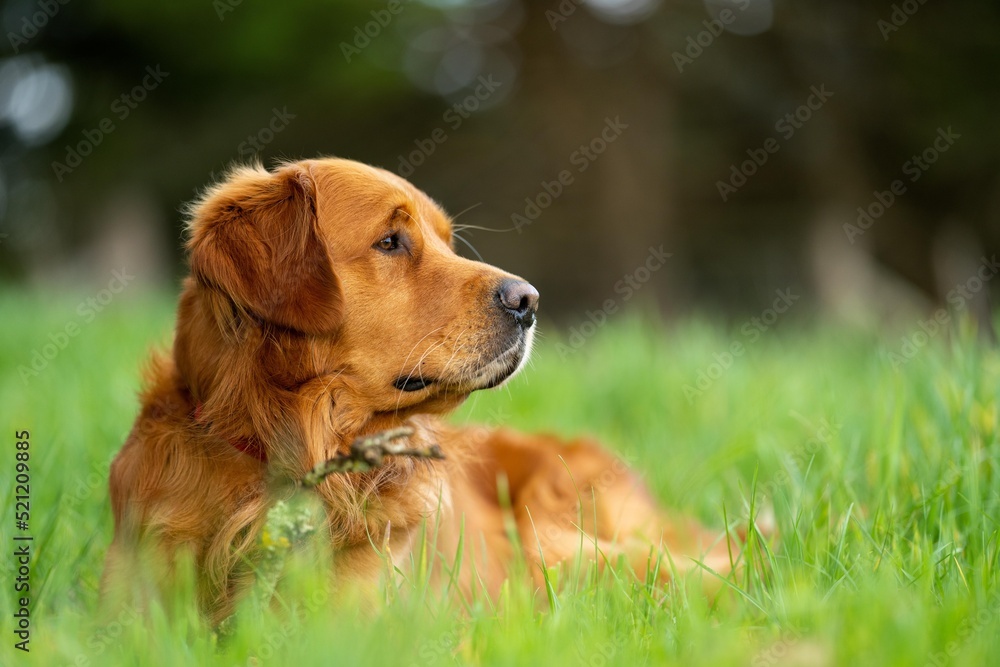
(407, 384)
(488, 375)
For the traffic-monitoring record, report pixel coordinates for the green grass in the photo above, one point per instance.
(883, 483)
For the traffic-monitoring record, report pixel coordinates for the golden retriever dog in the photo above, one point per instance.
(325, 302)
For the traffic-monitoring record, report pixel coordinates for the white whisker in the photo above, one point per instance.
(459, 237)
(464, 211)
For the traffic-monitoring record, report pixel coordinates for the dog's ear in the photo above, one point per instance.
(255, 236)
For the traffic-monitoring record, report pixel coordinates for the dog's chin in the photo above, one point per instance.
(489, 374)
(505, 365)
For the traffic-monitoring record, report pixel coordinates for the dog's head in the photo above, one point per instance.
(357, 265)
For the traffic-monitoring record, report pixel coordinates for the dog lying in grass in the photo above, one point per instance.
(325, 303)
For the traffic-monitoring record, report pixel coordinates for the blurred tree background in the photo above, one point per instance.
(743, 136)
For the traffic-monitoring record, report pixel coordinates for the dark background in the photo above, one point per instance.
(300, 79)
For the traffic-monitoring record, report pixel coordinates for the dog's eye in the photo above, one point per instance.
(389, 243)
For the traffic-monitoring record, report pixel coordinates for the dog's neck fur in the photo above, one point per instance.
(222, 362)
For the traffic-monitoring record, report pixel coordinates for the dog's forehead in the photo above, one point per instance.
(366, 186)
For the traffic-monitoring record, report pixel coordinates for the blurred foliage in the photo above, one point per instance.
(233, 64)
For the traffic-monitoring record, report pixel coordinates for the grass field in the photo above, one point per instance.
(883, 482)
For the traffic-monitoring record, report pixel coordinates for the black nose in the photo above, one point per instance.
(519, 299)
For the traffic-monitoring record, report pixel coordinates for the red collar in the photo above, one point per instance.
(248, 446)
